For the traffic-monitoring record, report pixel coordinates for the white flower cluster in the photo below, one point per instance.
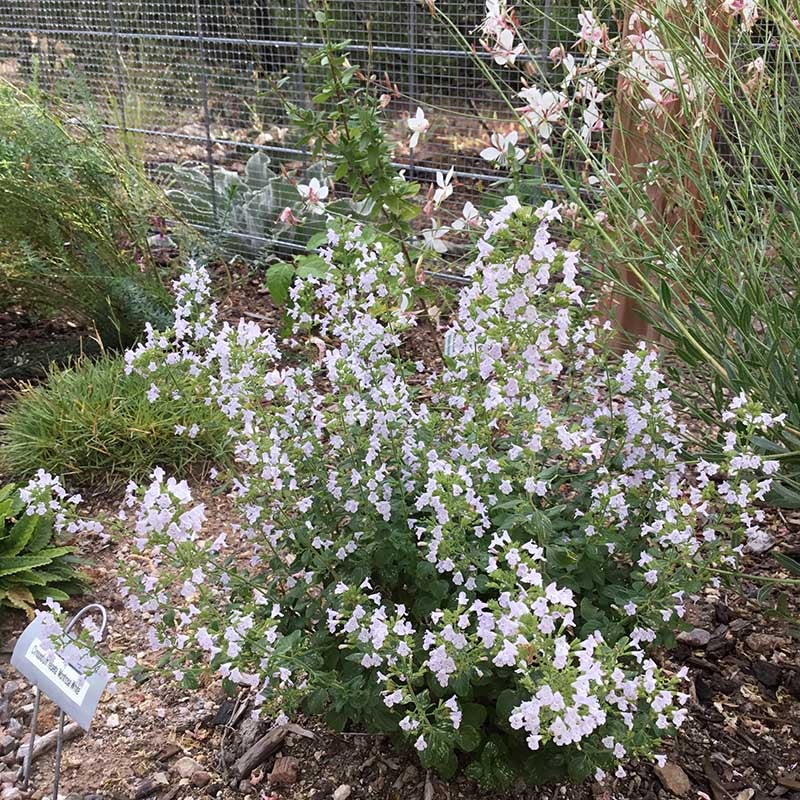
(518, 519)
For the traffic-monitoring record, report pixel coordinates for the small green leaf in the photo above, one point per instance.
(468, 738)
(278, 280)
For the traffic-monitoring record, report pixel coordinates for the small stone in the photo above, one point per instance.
(12, 793)
(673, 779)
(186, 767)
(760, 542)
(792, 683)
(151, 785)
(697, 637)
(7, 743)
(74, 796)
(764, 643)
(767, 674)
(112, 721)
(213, 788)
(284, 771)
(11, 688)
(342, 792)
(245, 786)
(200, 779)
(15, 728)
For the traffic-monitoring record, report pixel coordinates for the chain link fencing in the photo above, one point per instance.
(192, 85)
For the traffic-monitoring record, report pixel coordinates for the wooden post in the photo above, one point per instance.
(635, 143)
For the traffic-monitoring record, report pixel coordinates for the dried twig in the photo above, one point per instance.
(47, 742)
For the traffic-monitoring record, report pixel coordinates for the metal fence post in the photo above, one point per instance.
(546, 11)
(42, 66)
(300, 83)
(412, 71)
(201, 51)
(118, 75)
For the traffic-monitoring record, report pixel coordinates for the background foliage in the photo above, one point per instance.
(74, 225)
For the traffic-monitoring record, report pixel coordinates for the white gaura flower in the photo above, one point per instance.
(504, 50)
(542, 109)
(503, 149)
(444, 185)
(747, 8)
(418, 124)
(497, 18)
(591, 32)
(470, 218)
(434, 237)
(313, 193)
(592, 121)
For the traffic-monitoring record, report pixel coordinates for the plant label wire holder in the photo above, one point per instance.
(74, 692)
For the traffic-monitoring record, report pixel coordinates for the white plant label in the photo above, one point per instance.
(449, 343)
(71, 682)
(76, 693)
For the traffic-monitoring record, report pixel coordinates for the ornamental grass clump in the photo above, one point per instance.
(478, 555)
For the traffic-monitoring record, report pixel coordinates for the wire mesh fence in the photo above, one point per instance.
(193, 82)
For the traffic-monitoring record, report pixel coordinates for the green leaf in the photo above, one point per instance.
(666, 295)
(41, 536)
(316, 702)
(20, 597)
(313, 266)
(473, 714)
(336, 719)
(279, 279)
(9, 566)
(506, 703)
(43, 592)
(789, 563)
(30, 577)
(468, 738)
(316, 241)
(19, 536)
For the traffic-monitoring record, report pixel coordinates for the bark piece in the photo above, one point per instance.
(284, 771)
(259, 752)
(674, 779)
(767, 674)
(168, 751)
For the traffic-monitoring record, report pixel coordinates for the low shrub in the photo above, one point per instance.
(92, 422)
(477, 554)
(33, 566)
(73, 232)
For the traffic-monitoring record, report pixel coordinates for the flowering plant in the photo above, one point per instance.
(478, 554)
(666, 124)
